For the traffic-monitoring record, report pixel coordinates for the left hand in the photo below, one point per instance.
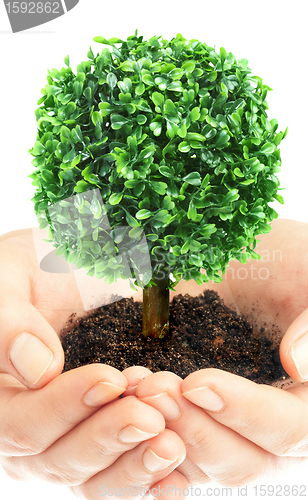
(237, 431)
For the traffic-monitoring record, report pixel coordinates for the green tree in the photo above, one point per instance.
(175, 139)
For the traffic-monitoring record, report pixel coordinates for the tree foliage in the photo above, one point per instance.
(176, 138)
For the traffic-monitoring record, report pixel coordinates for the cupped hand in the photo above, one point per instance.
(237, 431)
(67, 428)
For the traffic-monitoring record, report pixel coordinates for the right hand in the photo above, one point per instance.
(68, 428)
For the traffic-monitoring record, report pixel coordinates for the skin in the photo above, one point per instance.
(65, 441)
(263, 428)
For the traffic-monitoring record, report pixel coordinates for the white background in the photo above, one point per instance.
(270, 34)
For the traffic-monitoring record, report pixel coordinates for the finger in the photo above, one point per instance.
(135, 471)
(193, 473)
(134, 375)
(30, 348)
(273, 419)
(34, 420)
(294, 348)
(206, 440)
(96, 443)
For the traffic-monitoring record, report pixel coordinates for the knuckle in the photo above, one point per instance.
(195, 444)
(58, 475)
(18, 442)
(197, 438)
(294, 445)
(126, 478)
(233, 479)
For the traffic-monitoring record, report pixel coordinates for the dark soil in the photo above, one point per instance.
(203, 333)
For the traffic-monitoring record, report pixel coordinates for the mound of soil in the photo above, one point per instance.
(203, 333)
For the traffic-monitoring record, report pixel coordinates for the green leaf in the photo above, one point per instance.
(38, 149)
(65, 134)
(78, 86)
(131, 221)
(238, 172)
(170, 110)
(158, 99)
(88, 93)
(192, 211)
(100, 39)
(141, 119)
(175, 86)
(77, 134)
(279, 198)
(143, 214)
(115, 198)
(192, 136)
(139, 89)
(184, 147)
(205, 181)
(222, 139)
(185, 247)
(47, 176)
(223, 55)
(247, 182)
(117, 121)
(231, 196)
(156, 127)
(147, 78)
(106, 108)
(195, 114)
(193, 178)
(111, 80)
(136, 232)
(268, 148)
(188, 66)
(114, 40)
(166, 172)
(182, 130)
(81, 186)
(159, 187)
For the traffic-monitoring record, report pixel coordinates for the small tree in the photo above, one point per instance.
(175, 139)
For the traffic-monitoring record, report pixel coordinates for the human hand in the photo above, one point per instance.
(72, 430)
(243, 431)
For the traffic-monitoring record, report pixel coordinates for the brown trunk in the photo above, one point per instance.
(156, 309)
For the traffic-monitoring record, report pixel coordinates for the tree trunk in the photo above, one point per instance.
(156, 309)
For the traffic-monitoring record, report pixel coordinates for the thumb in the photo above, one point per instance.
(30, 349)
(294, 348)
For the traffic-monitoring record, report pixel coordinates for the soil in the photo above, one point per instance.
(203, 333)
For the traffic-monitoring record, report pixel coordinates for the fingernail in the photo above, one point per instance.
(299, 353)
(30, 356)
(131, 434)
(206, 398)
(155, 463)
(164, 403)
(101, 393)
